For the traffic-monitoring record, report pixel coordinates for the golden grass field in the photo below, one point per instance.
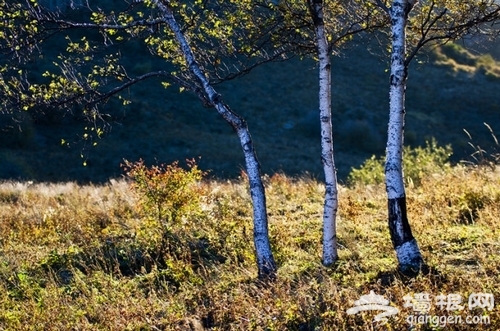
(91, 257)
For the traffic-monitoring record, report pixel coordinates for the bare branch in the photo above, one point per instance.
(69, 24)
(383, 6)
(450, 33)
(426, 27)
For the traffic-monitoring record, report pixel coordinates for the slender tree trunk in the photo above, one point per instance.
(407, 250)
(325, 109)
(265, 260)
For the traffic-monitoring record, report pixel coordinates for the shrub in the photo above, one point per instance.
(166, 192)
(370, 172)
(417, 163)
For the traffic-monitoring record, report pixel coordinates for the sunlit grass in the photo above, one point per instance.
(86, 258)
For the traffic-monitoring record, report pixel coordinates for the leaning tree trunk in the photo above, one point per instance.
(325, 108)
(407, 250)
(265, 260)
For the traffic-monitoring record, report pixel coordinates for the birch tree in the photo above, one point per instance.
(332, 24)
(436, 21)
(265, 260)
(195, 40)
(407, 250)
(330, 205)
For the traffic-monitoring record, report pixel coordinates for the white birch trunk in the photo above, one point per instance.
(407, 250)
(265, 260)
(330, 205)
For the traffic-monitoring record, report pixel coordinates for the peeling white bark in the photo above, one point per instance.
(265, 260)
(327, 156)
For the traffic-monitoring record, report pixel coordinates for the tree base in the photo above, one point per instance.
(268, 271)
(406, 247)
(410, 259)
(329, 261)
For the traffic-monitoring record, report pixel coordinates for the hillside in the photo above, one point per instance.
(449, 90)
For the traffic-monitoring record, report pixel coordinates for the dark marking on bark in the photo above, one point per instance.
(247, 146)
(399, 219)
(240, 122)
(397, 4)
(216, 98)
(391, 166)
(394, 80)
(329, 189)
(324, 160)
(332, 237)
(236, 121)
(256, 184)
(267, 271)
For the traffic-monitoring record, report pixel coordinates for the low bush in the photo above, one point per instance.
(166, 192)
(418, 162)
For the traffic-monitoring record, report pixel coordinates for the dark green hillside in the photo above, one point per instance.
(449, 90)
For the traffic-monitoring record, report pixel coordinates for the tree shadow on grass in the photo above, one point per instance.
(388, 278)
(125, 257)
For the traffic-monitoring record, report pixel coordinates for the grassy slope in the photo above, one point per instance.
(86, 258)
(279, 102)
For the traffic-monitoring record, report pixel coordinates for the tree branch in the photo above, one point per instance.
(382, 5)
(424, 33)
(69, 24)
(450, 33)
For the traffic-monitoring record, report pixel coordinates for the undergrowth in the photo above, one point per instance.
(91, 258)
(418, 163)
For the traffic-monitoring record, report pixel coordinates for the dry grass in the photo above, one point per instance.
(86, 258)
